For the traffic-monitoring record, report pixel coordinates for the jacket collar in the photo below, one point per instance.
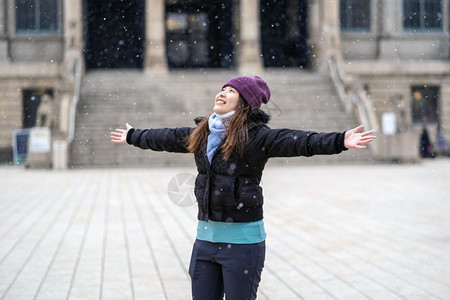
(256, 116)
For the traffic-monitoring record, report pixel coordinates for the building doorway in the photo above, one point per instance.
(425, 104)
(31, 99)
(284, 33)
(114, 34)
(199, 34)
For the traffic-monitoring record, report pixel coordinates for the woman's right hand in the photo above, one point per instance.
(120, 135)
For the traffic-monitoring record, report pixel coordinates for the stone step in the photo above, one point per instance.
(300, 100)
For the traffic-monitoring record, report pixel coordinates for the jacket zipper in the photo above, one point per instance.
(206, 204)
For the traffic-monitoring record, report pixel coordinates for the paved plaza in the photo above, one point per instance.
(334, 232)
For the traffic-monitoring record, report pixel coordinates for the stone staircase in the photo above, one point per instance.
(109, 99)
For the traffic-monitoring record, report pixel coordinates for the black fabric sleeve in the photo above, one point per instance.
(162, 139)
(289, 143)
(129, 134)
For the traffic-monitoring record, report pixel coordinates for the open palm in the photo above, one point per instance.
(119, 136)
(357, 140)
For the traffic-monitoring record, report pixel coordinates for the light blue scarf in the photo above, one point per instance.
(218, 132)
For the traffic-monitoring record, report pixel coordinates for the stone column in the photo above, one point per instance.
(3, 32)
(249, 54)
(326, 40)
(72, 26)
(388, 29)
(155, 41)
(314, 26)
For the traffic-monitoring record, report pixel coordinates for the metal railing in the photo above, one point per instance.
(336, 76)
(74, 101)
(354, 98)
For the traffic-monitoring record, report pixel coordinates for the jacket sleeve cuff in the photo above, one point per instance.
(341, 141)
(129, 134)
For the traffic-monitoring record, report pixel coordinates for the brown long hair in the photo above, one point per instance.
(237, 132)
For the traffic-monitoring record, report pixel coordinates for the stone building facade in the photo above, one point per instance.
(397, 50)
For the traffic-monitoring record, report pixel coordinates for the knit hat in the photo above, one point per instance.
(253, 89)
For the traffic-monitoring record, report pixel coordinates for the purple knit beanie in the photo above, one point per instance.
(253, 89)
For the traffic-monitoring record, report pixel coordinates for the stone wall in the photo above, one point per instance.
(386, 59)
(11, 107)
(392, 93)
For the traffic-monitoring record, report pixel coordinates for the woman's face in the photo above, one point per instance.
(226, 100)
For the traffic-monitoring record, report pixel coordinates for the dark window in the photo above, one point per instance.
(284, 33)
(115, 34)
(355, 15)
(37, 16)
(199, 34)
(422, 15)
(425, 104)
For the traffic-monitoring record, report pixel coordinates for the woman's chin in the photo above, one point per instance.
(220, 110)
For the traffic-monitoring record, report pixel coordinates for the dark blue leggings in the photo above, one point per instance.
(233, 269)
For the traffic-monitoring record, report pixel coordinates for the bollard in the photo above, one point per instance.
(59, 157)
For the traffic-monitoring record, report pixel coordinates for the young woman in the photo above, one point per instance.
(231, 148)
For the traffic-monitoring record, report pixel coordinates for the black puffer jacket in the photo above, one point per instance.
(229, 191)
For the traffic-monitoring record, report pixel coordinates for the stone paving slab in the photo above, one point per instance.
(334, 232)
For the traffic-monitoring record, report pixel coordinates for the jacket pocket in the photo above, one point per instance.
(249, 195)
(222, 190)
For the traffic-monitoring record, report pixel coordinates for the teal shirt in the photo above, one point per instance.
(233, 233)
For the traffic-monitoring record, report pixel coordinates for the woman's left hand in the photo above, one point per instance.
(356, 140)
(120, 135)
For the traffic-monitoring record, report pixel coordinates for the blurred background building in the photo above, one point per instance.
(330, 64)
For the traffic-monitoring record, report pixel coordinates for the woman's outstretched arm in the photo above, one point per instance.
(159, 139)
(289, 143)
